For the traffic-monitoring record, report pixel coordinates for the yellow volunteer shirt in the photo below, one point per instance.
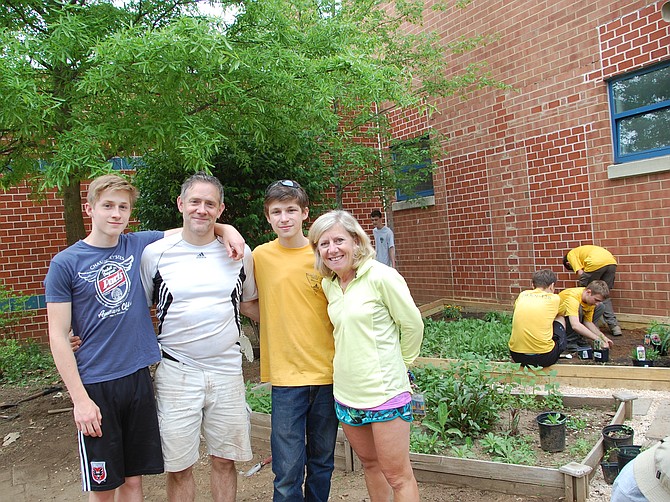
(533, 322)
(571, 300)
(297, 344)
(590, 258)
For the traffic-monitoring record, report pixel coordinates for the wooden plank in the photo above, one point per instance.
(631, 321)
(494, 476)
(600, 376)
(428, 309)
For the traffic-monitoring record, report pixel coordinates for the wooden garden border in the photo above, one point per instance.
(570, 481)
(577, 375)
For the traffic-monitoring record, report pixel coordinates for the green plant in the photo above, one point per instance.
(452, 311)
(576, 423)
(464, 450)
(422, 442)
(12, 309)
(25, 361)
(554, 419)
(580, 448)
(650, 354)
(501, 317)
(465, 397)
(508, 449)
(466, 338)
(259, 399)
(662, 331)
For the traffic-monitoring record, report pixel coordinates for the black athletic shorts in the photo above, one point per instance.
(130, 444)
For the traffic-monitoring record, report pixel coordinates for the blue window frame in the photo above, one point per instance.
(640, 110)
(421, 172)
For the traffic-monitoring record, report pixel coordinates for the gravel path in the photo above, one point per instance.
(600, 491)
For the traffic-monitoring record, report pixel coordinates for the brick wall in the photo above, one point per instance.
(525, 177)
(31, 232)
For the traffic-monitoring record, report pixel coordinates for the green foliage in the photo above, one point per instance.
(509, 449)
(580, 448)
(464, 450)
(501, 317)
(12, 309)
(85, 81)
(464, 398)
(258, 399)
(576, 423)
(422, 442)
(467, 338)
(554, 419)
(650, 354)
(25, 362)
(452, 311)
(244, 174)
(662, 331)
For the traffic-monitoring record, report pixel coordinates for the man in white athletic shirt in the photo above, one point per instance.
(199, 293)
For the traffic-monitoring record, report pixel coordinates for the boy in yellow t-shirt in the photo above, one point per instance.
(577, 307)
(592, 263)
(297, 349)
(538, 333)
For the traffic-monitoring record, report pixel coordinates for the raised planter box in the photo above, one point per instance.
(570, 481)
(603, 377)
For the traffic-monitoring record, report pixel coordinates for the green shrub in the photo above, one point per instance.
(466, 338)
(23, 362)
(12, 309)
(259, 399)
(463, 398)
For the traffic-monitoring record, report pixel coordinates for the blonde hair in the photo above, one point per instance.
(363, 250)
(111, 182)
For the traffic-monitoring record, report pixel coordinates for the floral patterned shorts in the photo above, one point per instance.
(355, 417)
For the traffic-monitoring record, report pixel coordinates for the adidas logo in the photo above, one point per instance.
(200, 255)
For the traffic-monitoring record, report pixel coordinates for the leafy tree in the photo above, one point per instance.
(159, 180)
(84, 81)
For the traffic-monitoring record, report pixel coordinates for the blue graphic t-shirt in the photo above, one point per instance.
(109, 308)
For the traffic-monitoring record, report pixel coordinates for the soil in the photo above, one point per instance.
(45, 453)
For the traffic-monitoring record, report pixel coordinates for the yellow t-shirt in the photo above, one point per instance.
(571, 300)
(590, 258)
(297, 344)
(533, 322)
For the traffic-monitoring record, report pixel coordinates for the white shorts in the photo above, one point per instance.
(190, 400)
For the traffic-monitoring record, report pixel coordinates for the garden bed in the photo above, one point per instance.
(569, 480)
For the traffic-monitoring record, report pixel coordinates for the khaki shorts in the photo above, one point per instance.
(191, 401)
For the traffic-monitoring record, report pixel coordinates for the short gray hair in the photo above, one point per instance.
(201, 177)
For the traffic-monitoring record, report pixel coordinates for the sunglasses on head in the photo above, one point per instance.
(285, 183)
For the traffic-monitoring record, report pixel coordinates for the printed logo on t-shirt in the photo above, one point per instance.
(314, 281)
(112, 284)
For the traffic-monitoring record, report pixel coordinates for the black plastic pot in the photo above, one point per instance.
(552, 435)
(627, 453)
(601, 355)
(644, 363)
(610, 471)
(614, 436)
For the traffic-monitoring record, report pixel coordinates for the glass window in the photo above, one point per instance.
(640, 105)
(414, 169)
